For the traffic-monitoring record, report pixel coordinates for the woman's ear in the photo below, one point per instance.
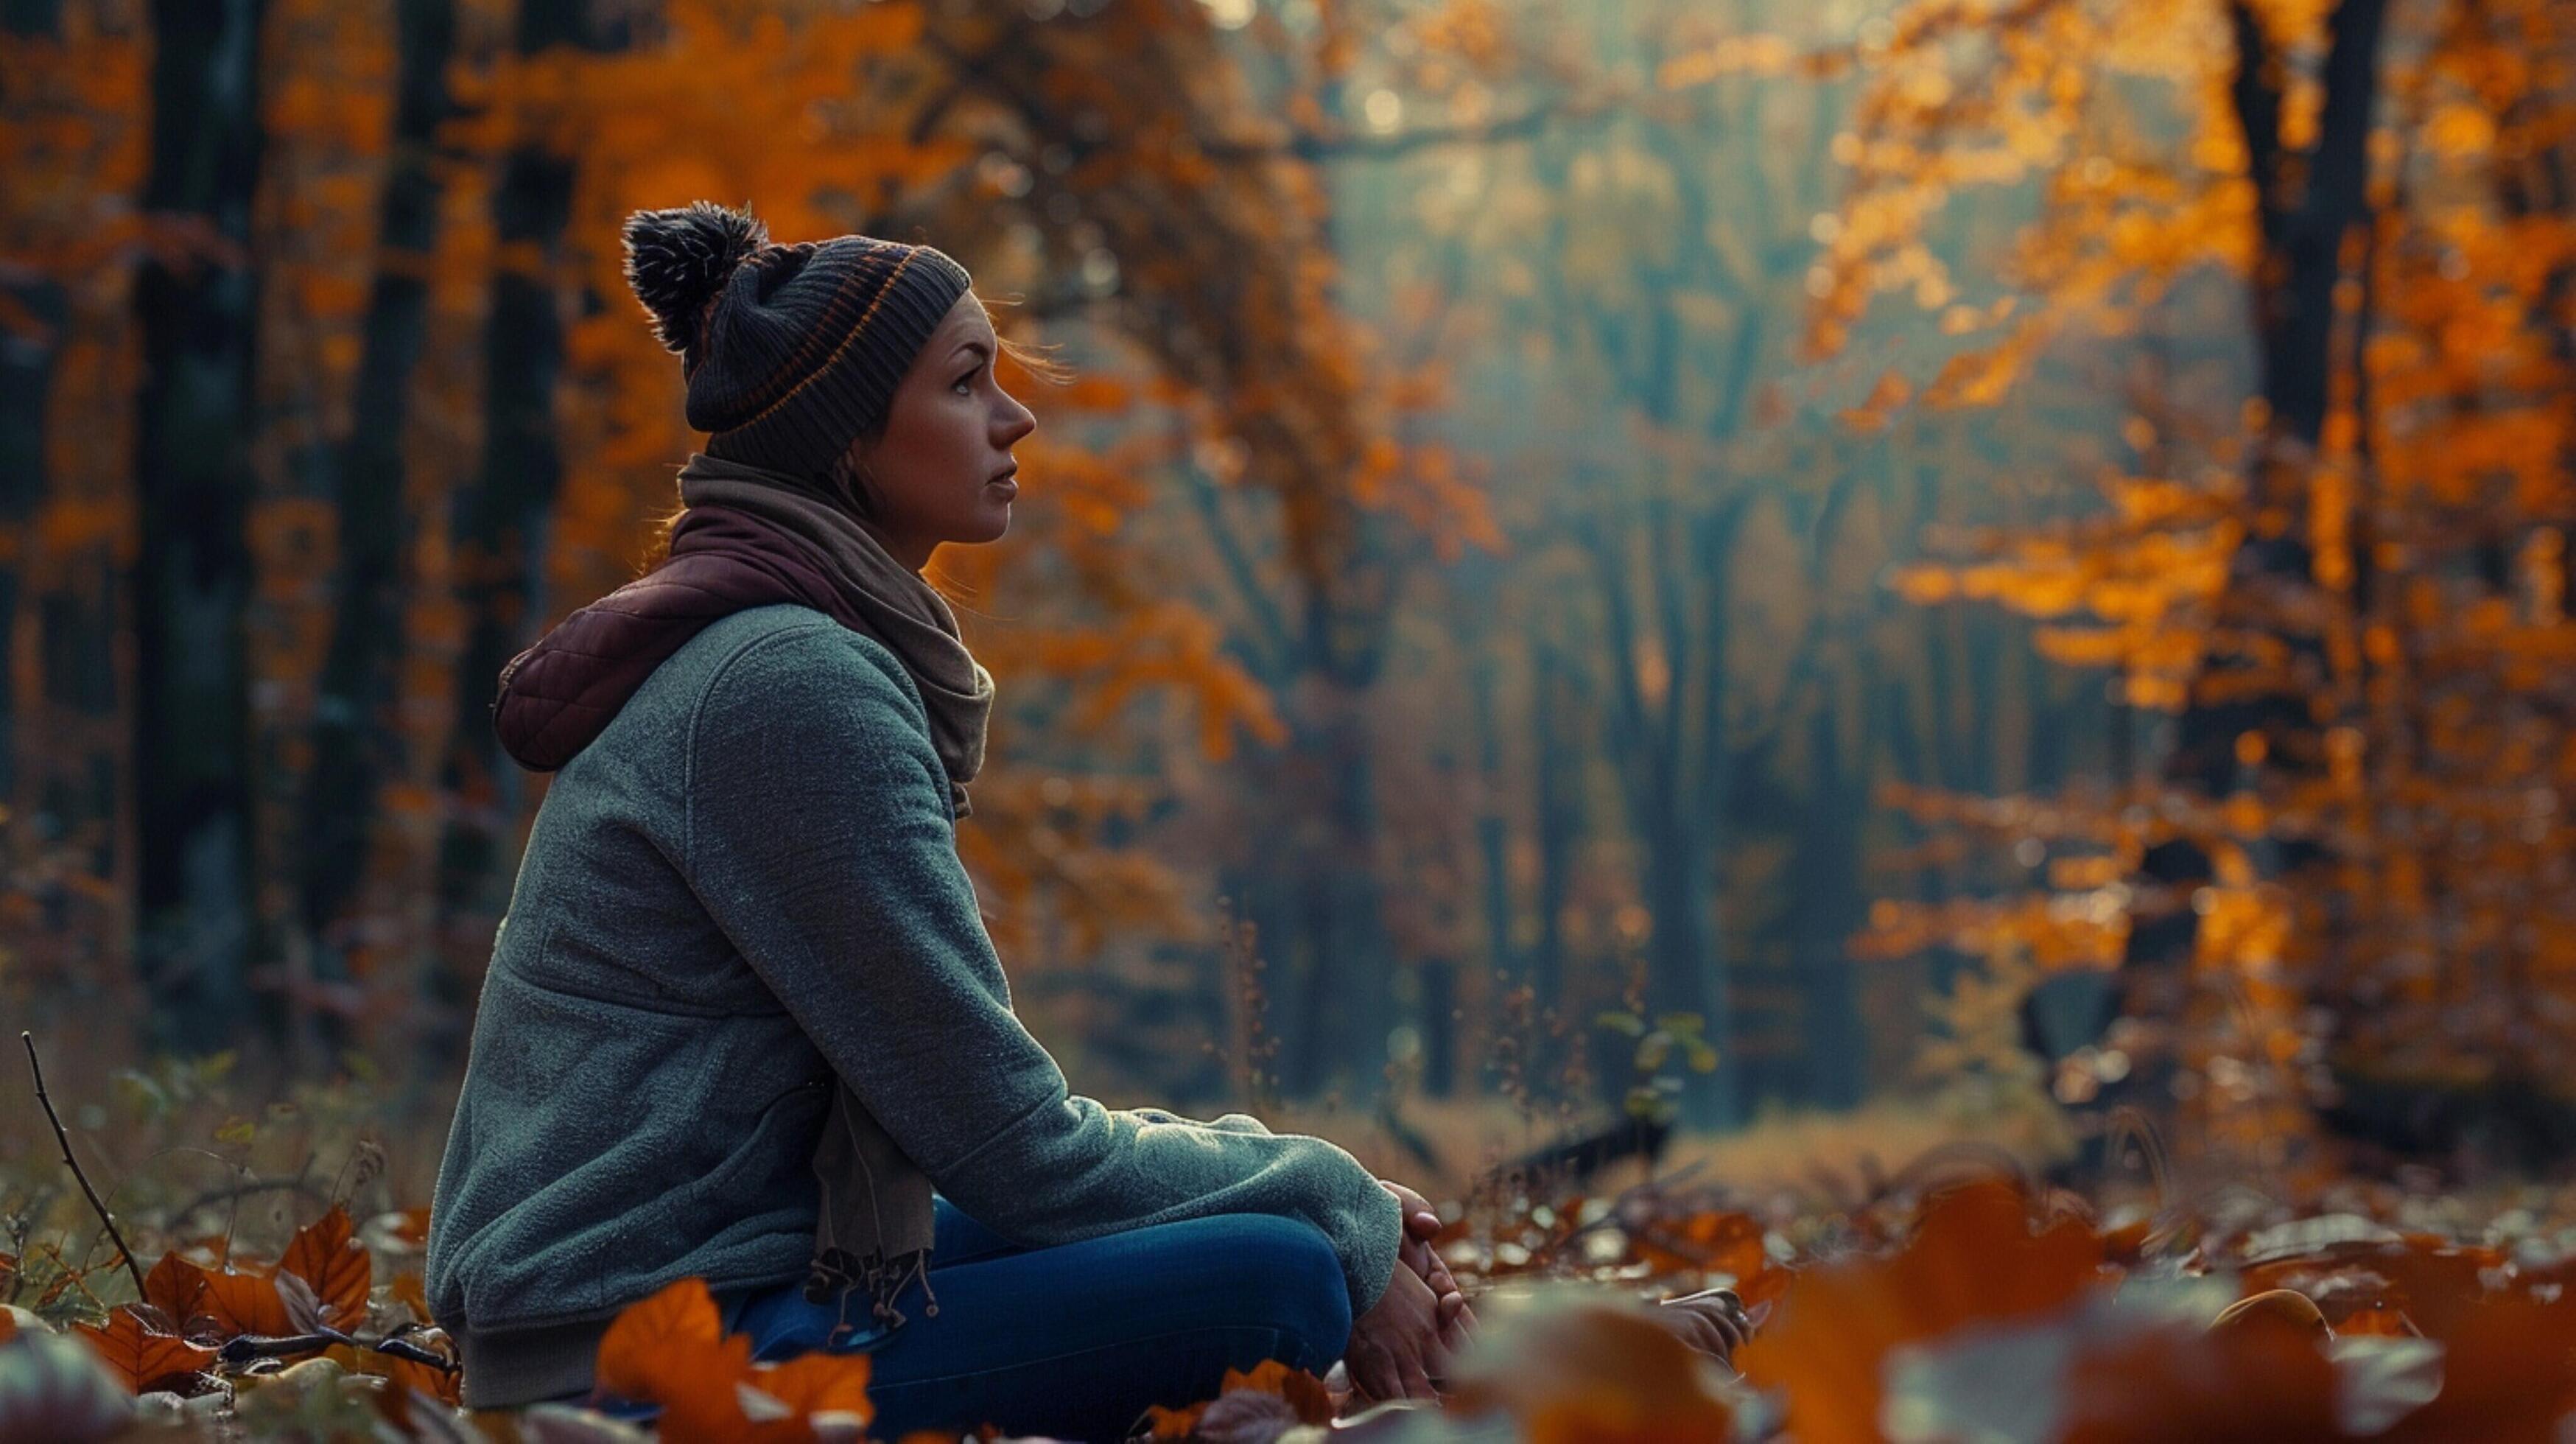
(850, 479)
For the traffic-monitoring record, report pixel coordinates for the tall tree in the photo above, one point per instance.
(356, 734)
(2332, 606)
(75, 143)
(1673, 274)
(502, 523)
(196, 886)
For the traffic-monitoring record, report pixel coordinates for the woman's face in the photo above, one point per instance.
(941, 471)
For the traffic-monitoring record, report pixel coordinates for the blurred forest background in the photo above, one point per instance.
(1679, 556)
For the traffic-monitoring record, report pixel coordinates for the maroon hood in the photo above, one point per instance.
(561, 693)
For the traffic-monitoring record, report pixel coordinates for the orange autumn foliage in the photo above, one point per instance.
(671, 1349)
(1300, 1395)
(323, 1282)
(324, 1262)
(1096, 168)
(2348, 587)
(2263, 1379)
(179, 1290)
(326, 1255)
(2507, 1377)
(1975, 1258)
(242, 1303)
(1598, 1373)
(1730, 1243)
(143, 1356)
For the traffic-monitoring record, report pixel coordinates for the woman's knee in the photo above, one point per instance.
(1283, 1274)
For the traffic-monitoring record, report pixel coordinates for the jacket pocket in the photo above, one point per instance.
(764, 1171)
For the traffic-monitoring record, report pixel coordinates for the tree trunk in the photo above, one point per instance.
(1828, 905)
(1493, 831)
(26, 373)
(197, 932)
(1439, 1030)
(1365, 957)
(2307, 202)
(1555, 763)
(356, 737)
(31, 17)
(501, 523)
(1347, 996)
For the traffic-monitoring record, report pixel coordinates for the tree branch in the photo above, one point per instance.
(975, 67)
(1310, 145)
(1275, 649)
(236, 1192)
(65, 1140)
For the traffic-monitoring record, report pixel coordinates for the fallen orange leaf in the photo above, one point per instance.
(1304, 1392)
(680, 1317)
(2435, 1282)
(178, 1288)
(327, 1255)
(1578, 1369)
(145, 1358)
(2263, 1377)
(818, 1383)
(671, 1349)
(2509, 1372)
(246, 1304)
(1973, 1259)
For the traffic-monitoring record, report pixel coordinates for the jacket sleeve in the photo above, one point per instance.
(819, 838)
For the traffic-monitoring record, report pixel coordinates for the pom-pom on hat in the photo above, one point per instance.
(790, 351)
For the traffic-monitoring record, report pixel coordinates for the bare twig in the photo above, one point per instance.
(243, 1348)
(367, 1158)
(1338, 144)
(17, 1228)
(65, 1139)
(235, 1192)
(232, 1220)
(71, 1278)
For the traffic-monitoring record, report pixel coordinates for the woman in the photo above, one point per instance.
(742, 1017)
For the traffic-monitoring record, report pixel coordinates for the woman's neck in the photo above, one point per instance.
(913, 554)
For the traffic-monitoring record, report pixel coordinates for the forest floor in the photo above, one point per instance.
(1904, 1260)
(1781, 1149)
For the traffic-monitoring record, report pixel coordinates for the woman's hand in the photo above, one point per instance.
(1421, 1225)
(1713, 1321)
(1395, 1350)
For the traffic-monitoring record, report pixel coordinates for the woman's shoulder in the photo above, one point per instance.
(791, 658)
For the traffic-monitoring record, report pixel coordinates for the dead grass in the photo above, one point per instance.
(1797, 1151)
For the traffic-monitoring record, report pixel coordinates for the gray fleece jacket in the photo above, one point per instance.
(748, 883)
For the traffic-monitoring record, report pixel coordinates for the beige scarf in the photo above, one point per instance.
(881, 597)
(874, 1227)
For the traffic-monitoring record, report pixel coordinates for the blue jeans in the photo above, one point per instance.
(1075, 1341)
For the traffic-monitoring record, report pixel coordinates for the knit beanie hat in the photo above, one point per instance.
(790, 351)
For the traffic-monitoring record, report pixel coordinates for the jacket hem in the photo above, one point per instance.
(511, 1368)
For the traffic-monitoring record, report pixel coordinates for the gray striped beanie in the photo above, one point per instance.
(790, 351)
